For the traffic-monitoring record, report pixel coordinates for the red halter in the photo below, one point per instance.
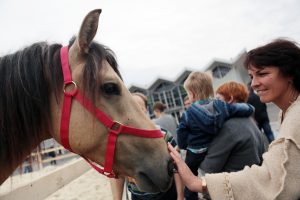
(114, 128)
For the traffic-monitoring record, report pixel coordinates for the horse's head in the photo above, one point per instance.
(94, 70)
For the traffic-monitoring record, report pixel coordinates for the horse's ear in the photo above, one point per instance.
(86, 34)
(88, 30)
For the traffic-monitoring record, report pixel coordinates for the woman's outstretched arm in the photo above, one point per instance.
(188, 178)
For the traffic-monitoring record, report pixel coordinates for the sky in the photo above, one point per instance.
(155, 38)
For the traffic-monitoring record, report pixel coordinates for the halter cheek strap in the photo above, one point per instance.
(114, 128)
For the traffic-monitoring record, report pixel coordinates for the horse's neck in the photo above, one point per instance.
(25, 106)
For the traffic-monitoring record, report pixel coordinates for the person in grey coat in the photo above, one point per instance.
(164, 120)
(239, 143)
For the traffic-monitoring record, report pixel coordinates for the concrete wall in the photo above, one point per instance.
(49, 183)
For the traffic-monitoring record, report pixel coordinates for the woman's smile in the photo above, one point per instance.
(262, 92)
(270, 85)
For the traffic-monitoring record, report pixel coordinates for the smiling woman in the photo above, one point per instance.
(275, 81)
(275, 73)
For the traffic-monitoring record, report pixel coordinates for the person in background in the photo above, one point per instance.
(165, 121)
(52, 154)
(175, 192)
(239, 143)
(186, 102)
(202, 121)
(27, 165)
(261, 115)
(275, 74)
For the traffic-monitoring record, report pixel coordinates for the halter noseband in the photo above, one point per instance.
(114, 128)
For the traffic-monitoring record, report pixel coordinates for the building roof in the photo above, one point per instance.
(216, 63)
(163, 82)
(158, 82)
(181, 78)
(134, 88)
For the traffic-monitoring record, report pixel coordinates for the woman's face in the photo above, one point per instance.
(269, 84)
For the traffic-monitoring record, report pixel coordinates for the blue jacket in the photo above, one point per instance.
(203, 120)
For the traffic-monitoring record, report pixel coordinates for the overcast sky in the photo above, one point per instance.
(154, 38)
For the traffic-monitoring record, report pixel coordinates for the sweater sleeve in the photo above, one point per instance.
(277, 178)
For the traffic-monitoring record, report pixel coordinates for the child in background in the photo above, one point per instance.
(203, 120)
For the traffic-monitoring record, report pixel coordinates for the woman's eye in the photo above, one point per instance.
(111, 89)
(262, 74)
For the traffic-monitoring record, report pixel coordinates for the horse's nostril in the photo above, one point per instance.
(171, 167)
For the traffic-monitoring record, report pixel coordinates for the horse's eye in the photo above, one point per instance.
(111, 89)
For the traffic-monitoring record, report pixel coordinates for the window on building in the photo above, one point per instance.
(170, 99)
(156, 97)
(164, 86)
(177, 96)
(182, 90)
(220, 71)
(183, 93)
(162, 98)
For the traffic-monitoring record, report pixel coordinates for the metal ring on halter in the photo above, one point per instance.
(73, 91)
(116, 127)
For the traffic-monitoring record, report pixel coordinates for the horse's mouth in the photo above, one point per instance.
(151, 185)
(148, 183)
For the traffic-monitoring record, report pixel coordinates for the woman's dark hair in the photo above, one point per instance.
(280, 53)
(159, 106)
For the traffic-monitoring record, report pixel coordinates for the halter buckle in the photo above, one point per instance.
(116, 127)
(73, 90)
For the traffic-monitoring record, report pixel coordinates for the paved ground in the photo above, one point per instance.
(89, 186)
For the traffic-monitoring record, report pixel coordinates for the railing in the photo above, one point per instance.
(44, 157)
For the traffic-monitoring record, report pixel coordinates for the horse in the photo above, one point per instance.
(38, 85)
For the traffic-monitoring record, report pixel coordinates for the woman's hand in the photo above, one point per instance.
(188, 178)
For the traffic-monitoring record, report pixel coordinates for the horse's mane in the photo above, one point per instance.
(28, 78)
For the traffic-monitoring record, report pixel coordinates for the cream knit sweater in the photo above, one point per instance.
(279, 175)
